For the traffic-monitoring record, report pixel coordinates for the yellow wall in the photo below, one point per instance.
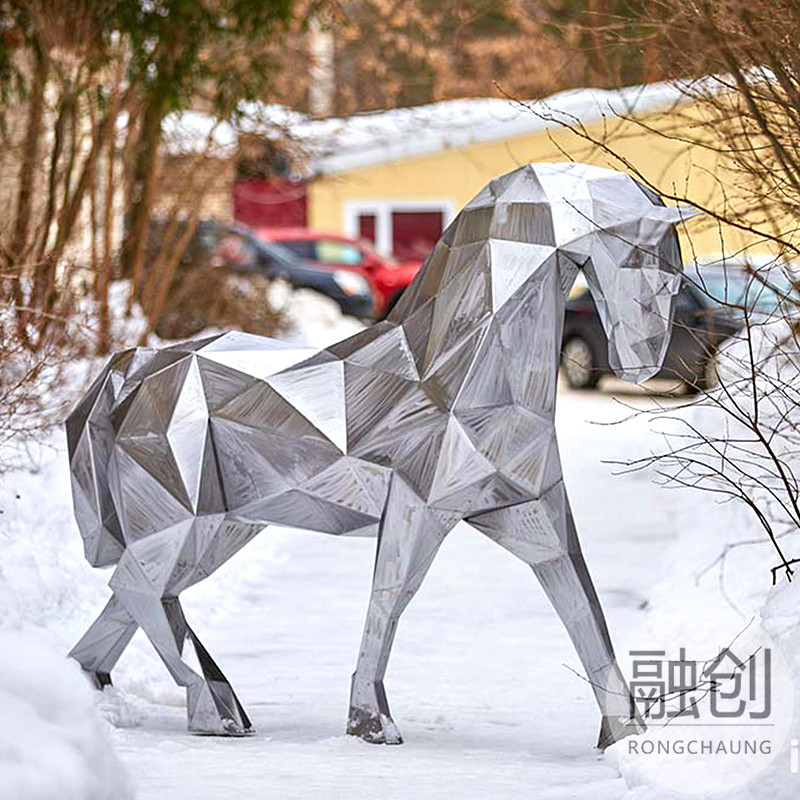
(458, 174)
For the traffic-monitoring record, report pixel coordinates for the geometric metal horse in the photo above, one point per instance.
(442, 413)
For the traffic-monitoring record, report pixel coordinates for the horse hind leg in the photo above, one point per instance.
(567, 584)
(103, 643)
(212, 705)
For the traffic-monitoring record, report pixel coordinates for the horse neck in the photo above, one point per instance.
(530, 328)
(503, 355)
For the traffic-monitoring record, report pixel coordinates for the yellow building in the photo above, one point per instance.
(375, 175)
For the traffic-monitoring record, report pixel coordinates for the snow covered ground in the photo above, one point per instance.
(477, 682)
(480, 683)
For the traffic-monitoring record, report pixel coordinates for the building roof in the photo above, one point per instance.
(337, 145)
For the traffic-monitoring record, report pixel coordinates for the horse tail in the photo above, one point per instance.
(90, 443)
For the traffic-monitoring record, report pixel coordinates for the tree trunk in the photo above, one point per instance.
(103, 276)
(141, 196)
(19, 249)
(69, 213)
(156, 274)
(155, 309)
(598, 25)
(159, 302)
(64, 111)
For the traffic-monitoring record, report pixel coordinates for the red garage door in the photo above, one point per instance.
(414, 233)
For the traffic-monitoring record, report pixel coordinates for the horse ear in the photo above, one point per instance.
(674, 215)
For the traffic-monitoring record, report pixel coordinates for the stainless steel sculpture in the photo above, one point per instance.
(442, 413)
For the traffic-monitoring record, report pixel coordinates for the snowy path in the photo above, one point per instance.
(477, 682)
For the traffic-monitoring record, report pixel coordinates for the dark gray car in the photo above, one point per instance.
(708, 311)
(243, 250)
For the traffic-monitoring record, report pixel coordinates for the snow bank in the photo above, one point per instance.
(718, 590)
(55, 731)
(52, 742)
(316, 320)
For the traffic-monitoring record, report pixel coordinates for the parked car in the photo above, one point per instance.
(238, 247)
(704, 318)
(388, 278)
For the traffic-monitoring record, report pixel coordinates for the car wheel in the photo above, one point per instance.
(578, 363)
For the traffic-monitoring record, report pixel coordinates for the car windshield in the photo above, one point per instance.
(738, 288)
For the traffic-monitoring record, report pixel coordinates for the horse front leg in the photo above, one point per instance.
(542, 533)
(409, 536)
(567, 584)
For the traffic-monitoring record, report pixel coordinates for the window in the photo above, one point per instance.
(405, 228)
(338, 253)
(367, 224)
(304, 249)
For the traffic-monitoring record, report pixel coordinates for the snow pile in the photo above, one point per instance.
(312, 318)
(316, 320)
(718, 589)
(125, 328)
(52, 743)
(53, 740)
(54, 729)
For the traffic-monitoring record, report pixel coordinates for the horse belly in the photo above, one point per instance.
(270, 477)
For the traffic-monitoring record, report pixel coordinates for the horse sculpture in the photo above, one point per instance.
(442, 413)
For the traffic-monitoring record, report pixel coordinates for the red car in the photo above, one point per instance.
(388, 278)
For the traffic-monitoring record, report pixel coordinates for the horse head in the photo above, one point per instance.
(625, 240)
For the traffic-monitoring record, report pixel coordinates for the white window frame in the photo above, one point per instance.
(382, 210)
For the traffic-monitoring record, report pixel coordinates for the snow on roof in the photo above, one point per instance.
(342, 144)
(369, 139)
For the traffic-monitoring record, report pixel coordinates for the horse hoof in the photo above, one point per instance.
(227, 727)
(207, 706)
(613, 730)
(375, 728)
(99, 679)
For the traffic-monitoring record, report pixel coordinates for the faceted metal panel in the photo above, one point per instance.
(442, 413)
